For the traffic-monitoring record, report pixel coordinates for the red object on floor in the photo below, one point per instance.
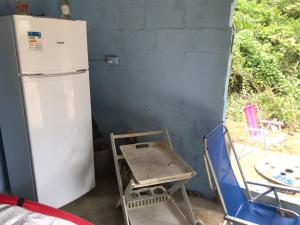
(44, 209)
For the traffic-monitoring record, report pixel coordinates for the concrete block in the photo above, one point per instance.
(139, 40)
(102, 42)
(207, 13)
(129, 18)
(143, 3)
(171, 16)
(92, 11)
(205, 75)
(168, 61)
(181, 40)
(212, 41)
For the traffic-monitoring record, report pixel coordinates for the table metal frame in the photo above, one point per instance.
(175, 183)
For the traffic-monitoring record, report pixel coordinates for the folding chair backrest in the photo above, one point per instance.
(219, 162)
(252, 119)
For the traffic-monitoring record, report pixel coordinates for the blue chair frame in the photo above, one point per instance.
(241, 208)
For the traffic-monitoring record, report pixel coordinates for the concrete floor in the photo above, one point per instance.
(98, 206)
(249, 156)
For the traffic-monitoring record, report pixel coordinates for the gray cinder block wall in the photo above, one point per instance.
(174, 57)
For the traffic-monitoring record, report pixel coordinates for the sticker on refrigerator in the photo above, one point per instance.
(35, 41)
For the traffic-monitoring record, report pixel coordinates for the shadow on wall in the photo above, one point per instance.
(4, 184)
(186, 137)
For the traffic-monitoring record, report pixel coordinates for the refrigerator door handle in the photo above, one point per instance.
(39, 75)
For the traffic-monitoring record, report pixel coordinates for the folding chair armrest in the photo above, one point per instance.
(275, 186)
(238, 221)
(141, 134)
(273, 122)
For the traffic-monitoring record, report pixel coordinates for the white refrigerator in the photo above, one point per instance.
(45, 105)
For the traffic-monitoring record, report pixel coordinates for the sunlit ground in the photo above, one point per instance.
(239, 135)
(251, 153)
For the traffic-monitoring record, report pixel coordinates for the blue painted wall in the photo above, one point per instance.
(173, 67)
(172, 73)
(7, 7)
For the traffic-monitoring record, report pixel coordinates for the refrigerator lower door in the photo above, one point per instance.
(59, 123)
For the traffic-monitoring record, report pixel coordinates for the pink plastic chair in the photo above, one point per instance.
(257, 129)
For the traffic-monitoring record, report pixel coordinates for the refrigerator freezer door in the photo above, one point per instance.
(49, 46)
(60, 129)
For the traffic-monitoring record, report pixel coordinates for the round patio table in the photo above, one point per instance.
(280, 168)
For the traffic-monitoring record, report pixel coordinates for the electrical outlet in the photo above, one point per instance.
(112, 60)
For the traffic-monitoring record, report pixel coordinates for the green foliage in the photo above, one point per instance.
(266, 59)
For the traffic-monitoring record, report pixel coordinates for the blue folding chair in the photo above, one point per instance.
(238, 208)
